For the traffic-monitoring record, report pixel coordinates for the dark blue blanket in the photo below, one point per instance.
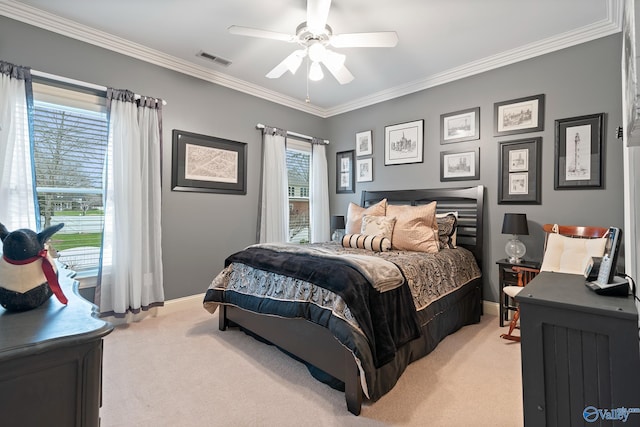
(387, 319)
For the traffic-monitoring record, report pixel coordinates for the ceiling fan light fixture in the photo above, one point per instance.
(315, 72)
(313, 37)
(317, 52)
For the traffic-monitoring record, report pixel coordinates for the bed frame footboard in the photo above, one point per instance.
(319, 348)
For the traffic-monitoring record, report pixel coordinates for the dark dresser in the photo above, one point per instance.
(51, 362)
(580, 353)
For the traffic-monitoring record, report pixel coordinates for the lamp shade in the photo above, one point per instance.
(515, 224)
(337, 222)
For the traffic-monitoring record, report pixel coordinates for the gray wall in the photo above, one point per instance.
(576, 81)
(201, 229)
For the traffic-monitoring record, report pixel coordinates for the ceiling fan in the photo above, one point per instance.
(314, 37)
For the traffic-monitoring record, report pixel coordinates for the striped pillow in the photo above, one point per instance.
(363, 241)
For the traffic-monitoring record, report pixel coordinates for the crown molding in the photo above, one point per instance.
(47, 21)
(39, 18)
(610, 25)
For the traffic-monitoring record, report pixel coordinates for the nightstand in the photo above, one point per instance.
(507, 277)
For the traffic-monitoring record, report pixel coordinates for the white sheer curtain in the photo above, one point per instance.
(17, 206)
(274, 206)
(319, 183)
(131, 268)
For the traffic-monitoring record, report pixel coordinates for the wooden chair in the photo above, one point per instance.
(525, 274)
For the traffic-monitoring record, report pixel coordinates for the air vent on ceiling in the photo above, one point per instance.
(218, 60)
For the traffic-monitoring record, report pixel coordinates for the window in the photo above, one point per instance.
(298, 171)
(70, 133)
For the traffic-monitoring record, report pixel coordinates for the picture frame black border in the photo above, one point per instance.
(476, 154)
(475, 136)
(537, 128)
(420, 142)
(534, 194)
(350, 154)
(178, 181)
(597, 134)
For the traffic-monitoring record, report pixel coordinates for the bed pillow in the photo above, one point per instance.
(374, 225)
(570, 254)
(446, 230)
(416, 228)
(362, 241)
(454, 237)
(355, 214)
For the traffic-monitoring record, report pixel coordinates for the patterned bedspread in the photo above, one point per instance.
(430, 276)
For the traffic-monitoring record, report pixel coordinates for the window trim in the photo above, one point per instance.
(83, 102)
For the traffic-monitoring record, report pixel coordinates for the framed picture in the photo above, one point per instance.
(578, 152)
(364, 143)
(519, 116)
(463, 125)
(365, 170)
(345, 177)
(519, 178)
(460, 165)
(203, 163)
(403, 143)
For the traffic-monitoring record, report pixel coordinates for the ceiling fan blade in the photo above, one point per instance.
(290, 63)
(263, 34)
(335, 64)
(317, 14)
(378, 39)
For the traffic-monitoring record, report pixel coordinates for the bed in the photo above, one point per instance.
(306, 300)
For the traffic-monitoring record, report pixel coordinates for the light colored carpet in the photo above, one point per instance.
(178, 369)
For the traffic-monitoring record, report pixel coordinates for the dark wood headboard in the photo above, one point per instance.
(467, 201)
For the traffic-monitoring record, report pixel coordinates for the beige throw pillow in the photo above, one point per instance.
(416, 228)
(373, 225)
(355, 214)
(570, 254)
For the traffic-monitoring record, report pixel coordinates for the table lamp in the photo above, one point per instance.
(337, 225)
(515, 224)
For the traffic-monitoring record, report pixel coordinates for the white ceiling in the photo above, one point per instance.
(440, 40)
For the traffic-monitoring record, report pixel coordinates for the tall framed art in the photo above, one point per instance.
(578, 152)
(519, 176)
(345, 174)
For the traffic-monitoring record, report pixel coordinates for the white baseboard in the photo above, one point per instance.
(490, 307)
(183, 303)
(170, 306)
